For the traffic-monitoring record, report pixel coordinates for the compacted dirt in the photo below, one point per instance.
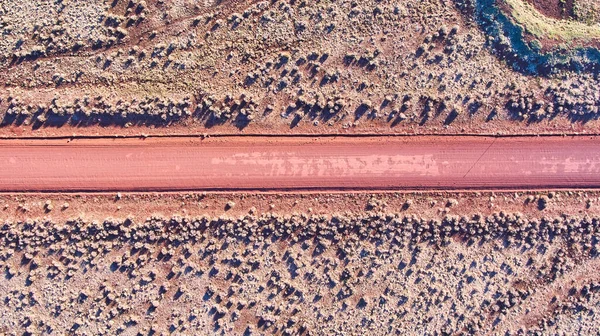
(299, 164)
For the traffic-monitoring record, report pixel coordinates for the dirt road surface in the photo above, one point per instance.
(370, 163)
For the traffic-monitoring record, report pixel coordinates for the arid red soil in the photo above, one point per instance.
(249, 167)
(299, 164)
(189, 67)
(485, 264)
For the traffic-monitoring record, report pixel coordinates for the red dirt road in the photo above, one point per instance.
(299, 164)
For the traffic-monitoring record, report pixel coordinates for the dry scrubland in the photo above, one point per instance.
(277, 66)
(320, 264)
(282, 264)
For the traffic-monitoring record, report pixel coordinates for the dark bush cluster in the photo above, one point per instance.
(98, 111)
(403, 230)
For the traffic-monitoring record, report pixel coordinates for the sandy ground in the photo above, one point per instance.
(299, 164)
